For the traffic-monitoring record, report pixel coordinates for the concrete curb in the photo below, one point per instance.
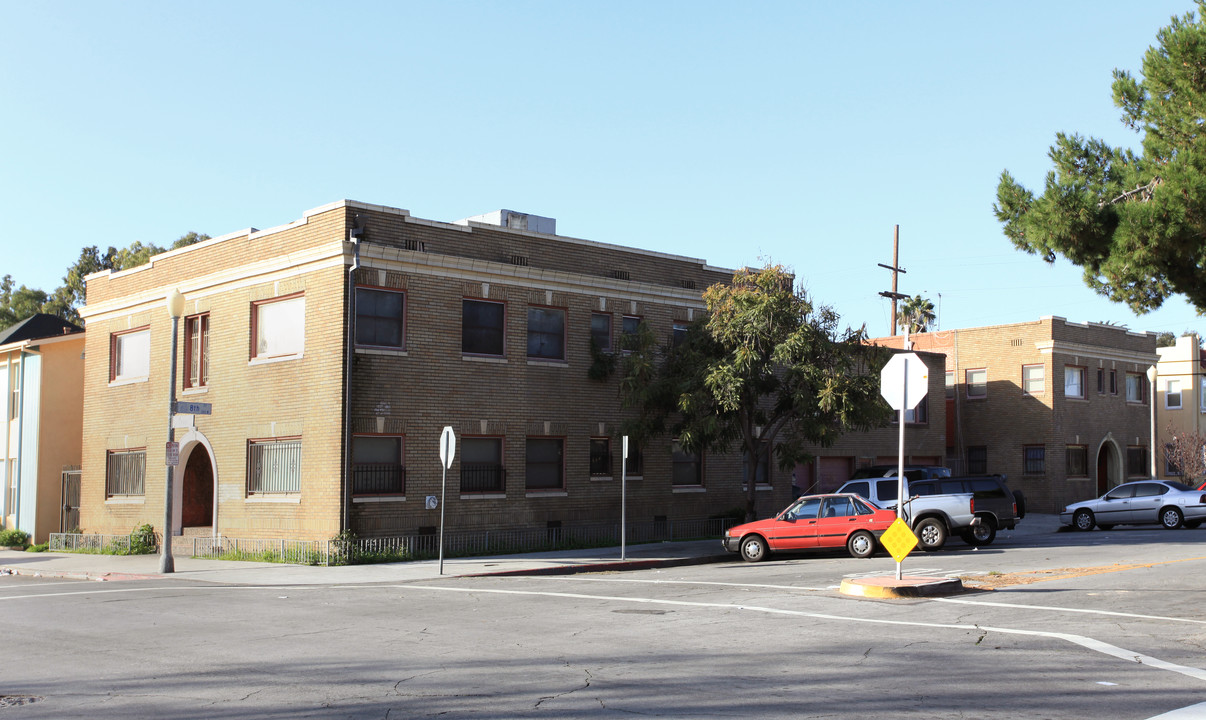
(906, 587)
(615, 566)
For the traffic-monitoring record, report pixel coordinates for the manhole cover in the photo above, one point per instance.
(13, 700)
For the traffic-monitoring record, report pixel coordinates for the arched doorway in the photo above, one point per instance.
(197, 489)
(1109, 466)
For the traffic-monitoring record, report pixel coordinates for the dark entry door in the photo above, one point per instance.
(198, 491)
(1103, 473)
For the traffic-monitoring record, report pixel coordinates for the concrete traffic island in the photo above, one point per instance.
(907, 587)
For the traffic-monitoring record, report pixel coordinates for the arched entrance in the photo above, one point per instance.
(197, 489)
(1109, 466)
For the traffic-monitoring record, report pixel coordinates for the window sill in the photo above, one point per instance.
(1076, 398)
(378, 498)
(126, 500)
(128, 381)
(538, 362)
(601, 478)
(286, 499)
(688, 489)
(546, 493)
(392, 352)
(758, 488)
(199, 390)
(485, 359)
(275, 359)
(484, 496)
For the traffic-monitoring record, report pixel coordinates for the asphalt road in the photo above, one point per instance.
(1096, 625)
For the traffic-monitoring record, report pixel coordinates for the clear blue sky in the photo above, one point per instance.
(799, 132)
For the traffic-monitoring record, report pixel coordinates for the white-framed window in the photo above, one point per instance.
(278, 327)
(949, 378)
(482, 327)
(380, 318)
(10, 507)
(1074, 381)
(1172, 394)
(1034, 378)
(14, 385)
(130, 355)
(274, 466)
(125, 472)
(977, 383)
(546, 333)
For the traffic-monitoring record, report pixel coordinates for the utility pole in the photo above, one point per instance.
(896, 270)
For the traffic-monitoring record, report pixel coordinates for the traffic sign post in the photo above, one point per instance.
(447, 451)
(903, 382)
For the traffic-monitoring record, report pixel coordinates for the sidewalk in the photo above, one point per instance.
(637, 557)
(132, 567)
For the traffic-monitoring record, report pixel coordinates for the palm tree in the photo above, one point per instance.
(916, 313)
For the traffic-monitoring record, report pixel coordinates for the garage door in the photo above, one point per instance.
(833, 472)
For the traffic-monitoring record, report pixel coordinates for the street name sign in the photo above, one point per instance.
(193, 408)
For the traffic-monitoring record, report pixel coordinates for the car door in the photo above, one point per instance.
(796, 528)
(1145, 505)
(1114, 508)
(839, 517)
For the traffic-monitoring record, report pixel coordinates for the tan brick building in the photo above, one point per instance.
(1061, 408)
(1180, 396)
(484, 325)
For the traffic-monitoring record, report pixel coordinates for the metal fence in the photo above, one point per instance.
(350, 551)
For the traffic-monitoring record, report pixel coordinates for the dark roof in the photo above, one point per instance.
(36, 327)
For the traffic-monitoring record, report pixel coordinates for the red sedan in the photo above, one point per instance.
(813, 521)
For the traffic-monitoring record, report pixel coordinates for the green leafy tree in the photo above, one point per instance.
(917, 314)
(1134, 222)
(16, 304)
(765, 367)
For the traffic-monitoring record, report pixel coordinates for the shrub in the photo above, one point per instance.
(143, 541)
(13, 538)
(40, 547)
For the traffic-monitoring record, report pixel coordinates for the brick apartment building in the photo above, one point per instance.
(484, 325)
(1061, 408)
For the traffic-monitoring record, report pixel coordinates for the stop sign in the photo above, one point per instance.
(904, 381)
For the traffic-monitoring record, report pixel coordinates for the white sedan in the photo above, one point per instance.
(1146, 502)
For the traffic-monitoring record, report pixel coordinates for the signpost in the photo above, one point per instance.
(623, 498)
(193, 408)
(903, 382)
(447, 452)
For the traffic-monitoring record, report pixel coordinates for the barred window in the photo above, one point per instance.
(377, 465)
(977, 459)
(482, 465)
(600, 457)
(1136, 461)
(274, 467)
(125, 473)
(1034, 459)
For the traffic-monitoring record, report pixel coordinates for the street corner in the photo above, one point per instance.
(888, 587)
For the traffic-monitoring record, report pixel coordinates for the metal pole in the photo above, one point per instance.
(166, 562)
(443, 494)
(1151, 381)
(904, 403)
(624, 500)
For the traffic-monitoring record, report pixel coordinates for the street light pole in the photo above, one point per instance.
(175, 308)
(1151, 386)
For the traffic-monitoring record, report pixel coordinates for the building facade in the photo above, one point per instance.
(1063, 409)
(41, 381)
(1180, 397)
(333, 350)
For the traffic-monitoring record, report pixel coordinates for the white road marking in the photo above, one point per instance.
(1068, 609)
(1193, 712)
(1085, 642)
(683, 582)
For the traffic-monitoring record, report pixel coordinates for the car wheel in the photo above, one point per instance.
(1192, 524)
(1171, 518)
(1106, 527)
(931, 534)
(861, 544)
(1083, 520)
(1020, 499)
(753, 548)
(984, 533)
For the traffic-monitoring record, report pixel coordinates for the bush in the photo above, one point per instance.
(13, 538)
(40, 547)
(143, 541)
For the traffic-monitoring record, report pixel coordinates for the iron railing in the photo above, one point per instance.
(483, 477)
(378, 479)
(345, 551)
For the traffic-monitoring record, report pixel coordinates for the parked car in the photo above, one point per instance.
(1167, 502)
(811, 522)
(998, 507)
(912, 472)
(932, 518)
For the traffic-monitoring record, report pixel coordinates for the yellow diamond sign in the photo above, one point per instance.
(899, 540)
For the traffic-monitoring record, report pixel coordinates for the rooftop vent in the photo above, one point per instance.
(688, 284)
(412, 244)
(515, 221)
(621, 275)
(521, 260)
